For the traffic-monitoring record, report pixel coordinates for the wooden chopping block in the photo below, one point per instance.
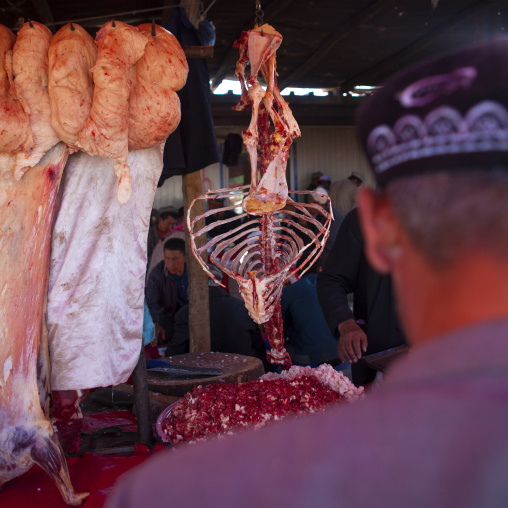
(236, 369)
(157, 397)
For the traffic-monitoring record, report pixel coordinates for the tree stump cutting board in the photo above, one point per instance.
(235, 368)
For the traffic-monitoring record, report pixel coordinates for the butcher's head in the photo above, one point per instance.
(436, 136)
(174, 256)
(167, 221)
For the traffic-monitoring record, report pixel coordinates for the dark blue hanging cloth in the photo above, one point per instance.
(193, 145)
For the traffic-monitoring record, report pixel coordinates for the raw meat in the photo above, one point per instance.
(268, 149)
(98, 259)
(72, 54)
(15, 133)
(154, 107)
(267, 246)
(164, 61)
(7, 165)
(26, 213)
(30, 69)
(105, 132)
(224, 408)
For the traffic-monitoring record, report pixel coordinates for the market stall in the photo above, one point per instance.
(84, 123)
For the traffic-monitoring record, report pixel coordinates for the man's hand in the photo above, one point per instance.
(352, 342)
(159, 332)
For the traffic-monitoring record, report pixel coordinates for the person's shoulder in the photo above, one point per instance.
(153, 270)
(220, 294)
(304, 283)
(301, 289)
(235, 307)
(153, 231)
(351, 219)
(157, 272)
(289, 290)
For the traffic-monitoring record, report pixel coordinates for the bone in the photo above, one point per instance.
(264, 250)
(261, 254)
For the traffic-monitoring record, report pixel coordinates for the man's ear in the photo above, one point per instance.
(381, 230)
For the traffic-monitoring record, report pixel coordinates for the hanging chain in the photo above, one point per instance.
(259, 13)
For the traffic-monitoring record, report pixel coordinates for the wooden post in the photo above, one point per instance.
(199, 310)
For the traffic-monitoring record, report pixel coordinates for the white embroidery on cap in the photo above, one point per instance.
(443, 131)
(426, 90)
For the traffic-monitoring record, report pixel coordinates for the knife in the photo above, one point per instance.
(185, 371)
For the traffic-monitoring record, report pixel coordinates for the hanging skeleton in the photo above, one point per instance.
(275, 231)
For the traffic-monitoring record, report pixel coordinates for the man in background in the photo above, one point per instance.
(372, 326)
(314, 182)
(320, 198)
(325, 181)
(165, 223)
(232, 330)
(308, 339)
(343, 193)
(166, 293)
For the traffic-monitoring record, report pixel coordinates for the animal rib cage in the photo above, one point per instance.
(261, 252)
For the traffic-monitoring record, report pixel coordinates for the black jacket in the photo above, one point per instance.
(231, 328)
(161, 292)
(348, 271)
(193, 145)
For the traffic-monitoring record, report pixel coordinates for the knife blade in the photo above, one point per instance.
(185, 371)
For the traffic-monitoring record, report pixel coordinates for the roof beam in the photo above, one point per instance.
(386, 67)
(229, 60)
(374, 8)
(308, 110)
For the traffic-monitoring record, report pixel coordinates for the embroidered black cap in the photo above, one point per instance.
(445, 113)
